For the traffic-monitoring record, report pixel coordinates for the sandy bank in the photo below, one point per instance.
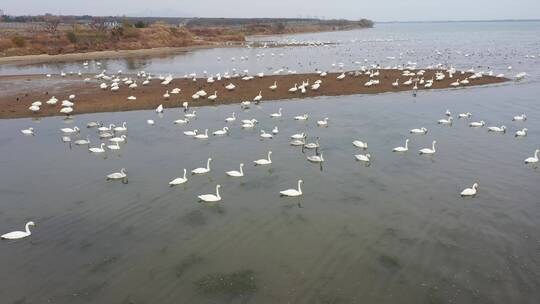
(20, 91)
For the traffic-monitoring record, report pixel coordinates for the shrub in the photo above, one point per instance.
(71, 36)
(140, 24)
(18, 41)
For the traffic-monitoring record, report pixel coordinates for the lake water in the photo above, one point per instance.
(396, 231)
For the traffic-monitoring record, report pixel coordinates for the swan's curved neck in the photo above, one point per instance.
(217, 192)
(300, 186)
(433, 146)
(27, 228)
(208, 164)
(406, 144)
(269, 156)
(241, 170)
(322, 156)
(536, 154)
(185, 173)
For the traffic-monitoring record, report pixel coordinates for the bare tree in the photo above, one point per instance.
(50, 24)
(99, 25)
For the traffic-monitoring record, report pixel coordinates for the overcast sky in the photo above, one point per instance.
(378, 10)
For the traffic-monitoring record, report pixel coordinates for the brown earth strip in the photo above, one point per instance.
(18, 92)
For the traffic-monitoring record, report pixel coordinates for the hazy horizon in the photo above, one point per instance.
(387, 11)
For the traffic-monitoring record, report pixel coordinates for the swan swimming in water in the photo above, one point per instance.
(534, 159)
(235, 173)
(427, 150)
(316, 158)
(202, 136)
(323, 123)
(276, 115)
(363, 158)
(191, 133)
(360, 144)
(223, 131)
(179, 180)
(29, 131)
(98, 150)
(202, 170)
(118, 175)
(264, 161)
(210, 198)
(501, 129)
(446, 121)
(470, 191)
(522, 132)
(419, 131)
(476, 124)
(231, 119)
(293, 192)
(521, 117)
(15, 235)
(402, 149)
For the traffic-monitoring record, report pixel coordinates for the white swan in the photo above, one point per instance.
(262, 162)
(98, 150)
(419, 131)
(29, 131)
(265, 135)
(292, 192)
(230, 87)
(191, 115)
(258, 97)
(235, 173)
(120, 139)
(223, 131)
(159, 109)
(465, 115)
(294, 89)
(70, 130)
(210, 198)
(105, 135)
(522, 132)
(202, 170)
(323, 123)
(302, 117)
(470, 191)
(501, 129)
(118, 175)
(316, 158)
(476, 124)
(402, 149)
(105, 129)
(521, 117)
(534, 159)
(150, 122)
(213, 96)
(445, 121)
(202, 136)
(82, 142)
(448, 113)
(274, 86)
(181, 121)
(428, 150)
(191, 133)
(363, 158)
(276, 115)
(18, 234)
(122, 128)
(179, 180)
(360, 144)
(299, 135)
(313, 145)
(231, 119)
(115, 146)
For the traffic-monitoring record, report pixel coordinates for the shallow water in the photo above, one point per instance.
(396, 231)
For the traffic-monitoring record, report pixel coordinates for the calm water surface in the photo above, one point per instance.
(393, 232)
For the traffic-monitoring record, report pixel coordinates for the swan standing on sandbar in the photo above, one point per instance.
(15, 235)
(211, 198)
(470, 191)
(293, 192)
(179, 180)
(235, 173)
(202, 170)
(428, 150)
(262, 162)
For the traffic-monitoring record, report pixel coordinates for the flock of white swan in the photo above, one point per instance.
(112, 137)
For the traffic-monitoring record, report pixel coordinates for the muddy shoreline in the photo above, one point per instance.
(18, 92)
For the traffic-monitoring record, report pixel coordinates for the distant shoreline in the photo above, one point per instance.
(462, 21)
